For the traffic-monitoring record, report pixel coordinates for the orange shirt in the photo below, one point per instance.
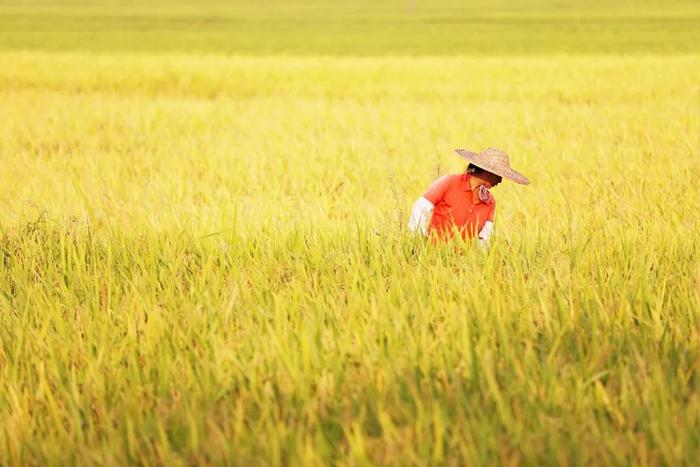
(454, 208)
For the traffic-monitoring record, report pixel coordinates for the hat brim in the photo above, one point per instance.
(486, 164)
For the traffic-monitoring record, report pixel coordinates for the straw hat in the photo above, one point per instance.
(495, 161)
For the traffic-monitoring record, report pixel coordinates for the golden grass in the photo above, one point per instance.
(204, 261)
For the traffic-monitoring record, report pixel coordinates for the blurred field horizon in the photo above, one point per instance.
(204, 248)
(357, 28)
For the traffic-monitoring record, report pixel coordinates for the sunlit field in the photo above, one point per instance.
(205, 257)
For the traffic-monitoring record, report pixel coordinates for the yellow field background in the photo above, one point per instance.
(205, 261)
(168, 140)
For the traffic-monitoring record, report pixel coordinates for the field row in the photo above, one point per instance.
(393, 27)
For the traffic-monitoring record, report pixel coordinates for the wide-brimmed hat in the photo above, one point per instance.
(495, 161)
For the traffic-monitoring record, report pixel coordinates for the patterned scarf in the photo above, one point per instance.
(484, 194)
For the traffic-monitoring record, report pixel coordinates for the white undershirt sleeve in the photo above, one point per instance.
(420, 215)
(485, 234)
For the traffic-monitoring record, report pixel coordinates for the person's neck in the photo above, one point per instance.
(475, 181)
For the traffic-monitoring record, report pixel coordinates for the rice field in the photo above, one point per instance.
(205, 257)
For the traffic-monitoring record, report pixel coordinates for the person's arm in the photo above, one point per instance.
(420, 215)
(424, 206)
(485, 234)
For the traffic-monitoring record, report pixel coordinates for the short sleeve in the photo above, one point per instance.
(438, 189)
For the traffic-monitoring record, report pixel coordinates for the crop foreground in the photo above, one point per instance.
(204, 261)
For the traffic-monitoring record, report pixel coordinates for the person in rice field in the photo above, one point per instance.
(462, 204)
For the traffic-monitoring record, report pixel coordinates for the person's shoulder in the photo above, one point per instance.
(444, 180)
(441, 186)
(450, 178)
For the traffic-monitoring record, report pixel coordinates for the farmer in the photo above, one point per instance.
(462, 203)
